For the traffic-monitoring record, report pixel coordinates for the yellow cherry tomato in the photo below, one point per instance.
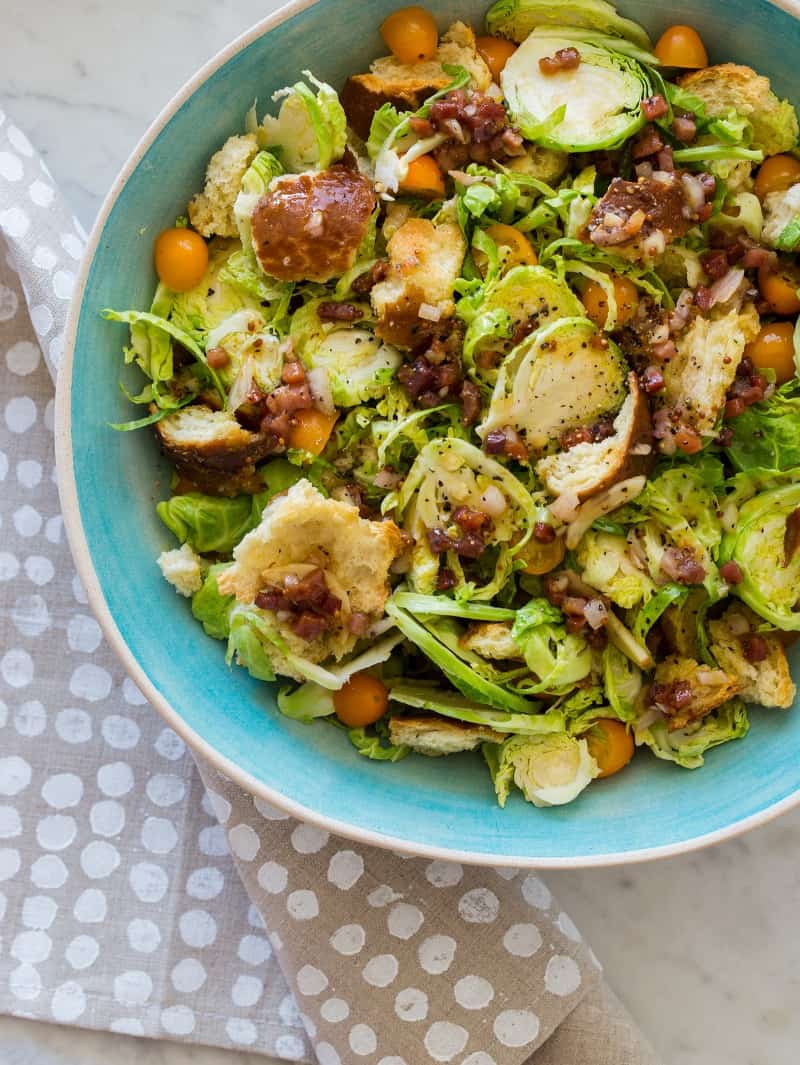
(773, 349)
(680, 46)
(495, 52)
(540, 558)
(423, 178)
(776, 174)
(361, 701)
(311, 429)
(181, 258)
(779, 288)
(611, 746)
(410, 34)
(594, 300)
(519, 249)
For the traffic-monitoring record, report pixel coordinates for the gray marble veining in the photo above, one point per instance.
(704, 949)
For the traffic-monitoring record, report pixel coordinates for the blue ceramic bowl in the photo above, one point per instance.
(111, 481)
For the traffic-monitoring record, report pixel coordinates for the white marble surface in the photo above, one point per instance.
(705, 950)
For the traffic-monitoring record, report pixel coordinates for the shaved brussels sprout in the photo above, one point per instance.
(763, 544)
(306, 703)
(548, 770)
(256, 181)
(556, 379)
(517, 18)
(623, 683)
(608, 565)
(596, 105)
(557, 658)
(459, 708)
(253, 350)
(310, 131)
(450, 473)
(687, 746)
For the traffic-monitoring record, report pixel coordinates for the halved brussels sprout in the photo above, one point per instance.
(761, 543)
(517, 18)
(453, 473)
(357, 365)
(548, 770)
(595, 105)
(556, 379)
(525, 294)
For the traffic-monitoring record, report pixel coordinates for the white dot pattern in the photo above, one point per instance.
(116, 866)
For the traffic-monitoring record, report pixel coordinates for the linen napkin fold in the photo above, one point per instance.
(391, 959)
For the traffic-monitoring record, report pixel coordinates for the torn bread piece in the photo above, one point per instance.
(767, 681)
(589, 468)
(731, 86)
(302, 531)
(408, 85)
(697, 379)
(211, 449)
(492, 639)
(706, 688)
(424, 264)
(211, 211)
(435, 736)
(183, 569)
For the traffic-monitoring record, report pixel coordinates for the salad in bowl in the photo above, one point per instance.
(478, 375)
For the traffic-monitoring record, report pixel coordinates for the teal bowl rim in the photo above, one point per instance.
(76, 536)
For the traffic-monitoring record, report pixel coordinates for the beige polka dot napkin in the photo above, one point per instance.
(120, 903)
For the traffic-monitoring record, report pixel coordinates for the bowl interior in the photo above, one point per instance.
(444, 805)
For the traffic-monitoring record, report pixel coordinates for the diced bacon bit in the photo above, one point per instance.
(470, 519)
(564, 59)
(755, 258)
(445, 580)
(680, 564)
(748, 387)
(217, 358)
(653, 378)
(330, 311)
(555, 588)
(477, 130)
(665, 163)
(648, 142)
(468, 545)
(293, 373)
(365, 282)
(670, 698)
(587, 434)
(470, 403)
(684, 127)
(702, 298)
(308, 602)
(421, 127)
(754, 647)
(715, 263)
(654, 107)
(505, 441)
(543, 532)
(731, 572)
